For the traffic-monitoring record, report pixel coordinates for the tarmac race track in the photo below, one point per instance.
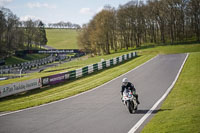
(100, 110)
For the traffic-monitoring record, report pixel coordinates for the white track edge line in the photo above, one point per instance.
(139, 123)
(79, 93)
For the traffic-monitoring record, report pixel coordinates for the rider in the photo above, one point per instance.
(129, 85)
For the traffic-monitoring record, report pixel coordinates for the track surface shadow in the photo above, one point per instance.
(153, 112)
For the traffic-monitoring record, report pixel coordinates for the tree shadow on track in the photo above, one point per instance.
(152, 111)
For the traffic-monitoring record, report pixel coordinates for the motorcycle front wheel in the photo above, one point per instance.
(129, 106)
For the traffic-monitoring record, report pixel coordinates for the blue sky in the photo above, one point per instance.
(51, 11)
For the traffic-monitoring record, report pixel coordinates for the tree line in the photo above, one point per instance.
(63, 24)
(19, 35)
(156, 21)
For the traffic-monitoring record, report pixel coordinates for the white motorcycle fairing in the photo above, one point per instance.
(129, 100)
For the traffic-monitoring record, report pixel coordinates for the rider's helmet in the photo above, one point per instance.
(125, 81)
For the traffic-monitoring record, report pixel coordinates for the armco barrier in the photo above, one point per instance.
(95, 67)
(72, 74)
(18, 87)
(90, 69)
(99, 66)
(85, 70)
(30, 64)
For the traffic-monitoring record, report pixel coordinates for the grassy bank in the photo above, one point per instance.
(62, 38)
(169, 49)
(181, 110)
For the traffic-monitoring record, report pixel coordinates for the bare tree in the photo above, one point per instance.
(135, 23)
(194, 12)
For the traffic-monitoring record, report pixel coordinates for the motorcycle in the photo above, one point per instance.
(129, 100)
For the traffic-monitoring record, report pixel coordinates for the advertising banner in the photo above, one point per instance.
(18, 87)
(51, 51)
(54, 79)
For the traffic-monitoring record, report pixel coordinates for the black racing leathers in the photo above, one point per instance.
(132, 88)
(128, 86)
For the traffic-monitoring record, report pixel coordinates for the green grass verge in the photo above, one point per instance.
(56, 92)
(169, 49)
(181, 110)
(62, 38)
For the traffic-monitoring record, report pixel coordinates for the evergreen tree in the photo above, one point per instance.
(42, 34)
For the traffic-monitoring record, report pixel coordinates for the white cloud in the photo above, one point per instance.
(86, 11)
(28, 17)
(40, 5)
(4, 2)
(89, 11)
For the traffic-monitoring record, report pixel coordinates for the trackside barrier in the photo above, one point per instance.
(10, 89)
(54, 79)
(99, 66)
(27, 65)
(18, 87)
